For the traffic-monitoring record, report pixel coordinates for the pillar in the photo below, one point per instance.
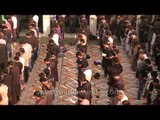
(46, 24)
(137, 24)
(93, 24)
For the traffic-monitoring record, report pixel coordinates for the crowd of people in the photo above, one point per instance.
(49, 76)
(140, 39)
(15, 66)
(141, 42)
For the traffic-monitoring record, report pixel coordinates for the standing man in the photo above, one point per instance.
(15, 23)
(15, 86)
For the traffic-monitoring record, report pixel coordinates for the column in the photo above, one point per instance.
(137, 24)
(46, 24)
(93, 24)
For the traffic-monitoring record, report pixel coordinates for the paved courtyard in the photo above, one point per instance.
(66, 88)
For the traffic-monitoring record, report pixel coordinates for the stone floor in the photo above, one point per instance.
(66, 87)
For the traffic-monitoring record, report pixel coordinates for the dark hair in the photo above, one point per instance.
(18, 54)
(97, 75)
(149, 68)
(52, 52)
(83, 77)
(154, 74)
(88, 56)
(48, 55)
(41, 75)
(28, 33)
(81, 95)
(156, 80)
(37, 94)
(51, 41)
(126, 102)
(46, 71)
(115, 59)
(10, 62)
(47, 59)
(148, 61)
(84, 65)
(22, 50)
(16, 58)
(109, 54)
(42, 79)
(108, 32)
(78, 53)
(4, 27)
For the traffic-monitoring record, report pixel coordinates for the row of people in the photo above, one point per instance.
(111, 64)
(142, 47)
(15, 74)
(84, 73)
(49, 76)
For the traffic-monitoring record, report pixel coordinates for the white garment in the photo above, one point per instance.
(4, 94)
(22, 60)
(153, 38)
(85, 102)
(63, 16)
(152, 42)
(26, 59)
(127, 45)
(53, 17)
(28, 53)
(55, 38)
(85, 38)
(88, 74)
(110, 40)
(123, 99)
(28, 49)
(145, 56)
(36, 18)
(2, 41)
(14, 19)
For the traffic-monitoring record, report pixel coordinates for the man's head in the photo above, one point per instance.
(10, 64)
(47, 60)
(46, 71)
(81, 96)
(154, 74)
(37, 95)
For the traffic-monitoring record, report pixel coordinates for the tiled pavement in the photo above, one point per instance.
(66, 87)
